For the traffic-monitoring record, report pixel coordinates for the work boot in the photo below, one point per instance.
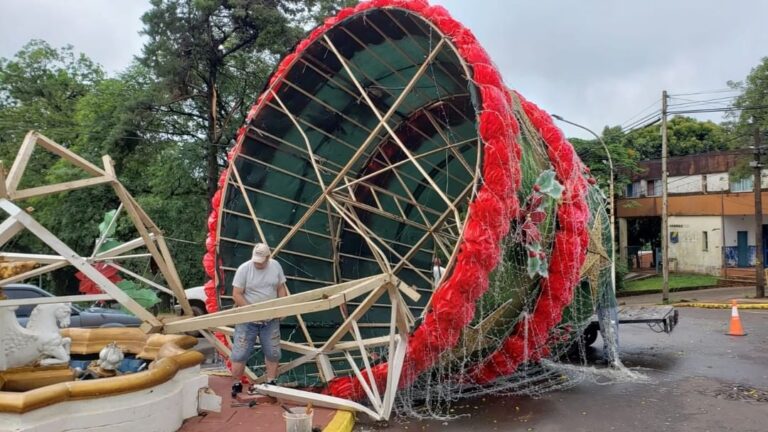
(237, 388)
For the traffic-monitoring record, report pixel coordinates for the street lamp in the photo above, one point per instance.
(610, 200)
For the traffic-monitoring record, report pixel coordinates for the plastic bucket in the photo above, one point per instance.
(298, 420)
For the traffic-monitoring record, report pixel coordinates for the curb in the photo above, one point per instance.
(343, 421)
(756, 306)
(658, 290)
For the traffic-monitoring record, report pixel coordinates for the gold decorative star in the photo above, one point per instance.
(597, 257)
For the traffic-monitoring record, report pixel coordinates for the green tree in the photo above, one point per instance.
(753, 102)
(39, 89)
(593, 155)
(686, 136)
(211, 58)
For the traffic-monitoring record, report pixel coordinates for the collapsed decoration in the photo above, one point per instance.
(385, 141)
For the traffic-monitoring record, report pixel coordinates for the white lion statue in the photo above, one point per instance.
(40, 343)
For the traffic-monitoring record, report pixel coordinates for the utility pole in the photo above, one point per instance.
(759, 275)
(664, 202)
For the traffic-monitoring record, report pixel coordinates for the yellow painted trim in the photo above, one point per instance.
(164, 370)
(758, 306)
(343, 421)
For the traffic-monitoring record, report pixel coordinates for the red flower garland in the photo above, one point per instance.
(530, 339)
(453, 304)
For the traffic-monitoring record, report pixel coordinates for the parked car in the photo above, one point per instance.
(91, 317)
(196, 297)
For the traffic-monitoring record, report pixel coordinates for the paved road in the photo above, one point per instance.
(694, 372)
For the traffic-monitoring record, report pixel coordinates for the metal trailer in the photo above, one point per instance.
(661, 319)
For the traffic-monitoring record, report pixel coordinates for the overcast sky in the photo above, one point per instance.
(595, 62)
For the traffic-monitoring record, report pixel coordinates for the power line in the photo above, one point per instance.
(690, 102)
(705, 92)
(655, 103)
(720, 109)
(639, 126)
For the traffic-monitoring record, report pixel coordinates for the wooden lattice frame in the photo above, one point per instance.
(150, 236)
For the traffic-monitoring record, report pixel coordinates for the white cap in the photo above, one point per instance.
(260, 253)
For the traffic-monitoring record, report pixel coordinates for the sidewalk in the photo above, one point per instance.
(264, 417)
(724, 295)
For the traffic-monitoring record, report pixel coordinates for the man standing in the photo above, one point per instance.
(257, 280)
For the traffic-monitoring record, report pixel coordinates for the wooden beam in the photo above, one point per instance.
(171, 276)
(271, 309)
(325, 368)
(32, 273)
(53, 300)
(366, 363)
(42, 259)
(117, 251)
(141, 221)
(389, 129)
(68, 155)
(307, 295)
(79, 262)
(354, 316)
(408, 291)
(363, 383)
(59, 187)
(303, 397)
(248, 204)
(21, 161)
(393, 376)
(8, 229)
(360, 151)
(143, 279)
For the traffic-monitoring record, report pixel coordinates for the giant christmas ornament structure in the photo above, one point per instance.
(385, 149)
(387, 139)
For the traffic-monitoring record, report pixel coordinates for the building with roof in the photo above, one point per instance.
(711, 214)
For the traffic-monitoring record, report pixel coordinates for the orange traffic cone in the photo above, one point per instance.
(736, 329)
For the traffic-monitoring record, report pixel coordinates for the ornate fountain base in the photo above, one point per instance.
(158, 399)
(27, 378)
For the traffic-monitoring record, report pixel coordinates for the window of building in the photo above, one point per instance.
(654, 188)
(742, 185)
(705, 241)
(633, 190)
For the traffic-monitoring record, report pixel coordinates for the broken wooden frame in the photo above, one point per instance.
(345, 340)
(18, 219)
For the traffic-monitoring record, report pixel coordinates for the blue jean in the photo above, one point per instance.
(245, 336)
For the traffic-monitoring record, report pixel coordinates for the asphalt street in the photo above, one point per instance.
(700, 380)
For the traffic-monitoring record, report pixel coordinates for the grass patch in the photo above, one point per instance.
(676, 281)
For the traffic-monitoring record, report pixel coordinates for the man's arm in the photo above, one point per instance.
(282, 290)
(239, 295)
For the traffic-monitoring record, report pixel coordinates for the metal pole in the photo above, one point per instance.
(610, 198)
(664, 202)
(759, 276)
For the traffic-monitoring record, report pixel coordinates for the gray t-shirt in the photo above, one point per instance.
(259, 285)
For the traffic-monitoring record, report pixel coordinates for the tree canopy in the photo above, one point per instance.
(166, 120)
